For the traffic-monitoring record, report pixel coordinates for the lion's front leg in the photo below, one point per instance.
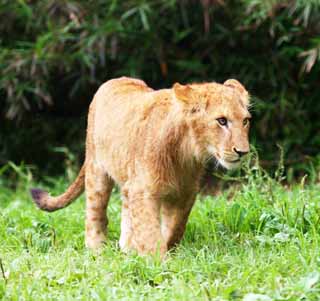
(142, 216)
(126, 228)
(174, 219)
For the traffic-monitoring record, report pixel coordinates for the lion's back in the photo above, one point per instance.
(121, 89)
(124, 110)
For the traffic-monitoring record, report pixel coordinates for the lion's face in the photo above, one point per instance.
(219, 119)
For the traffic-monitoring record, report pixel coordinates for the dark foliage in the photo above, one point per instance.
(54, 55)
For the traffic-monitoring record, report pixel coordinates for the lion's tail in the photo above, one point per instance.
(48, 203)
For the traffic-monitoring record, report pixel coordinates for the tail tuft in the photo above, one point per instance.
(50, 203)
(40, 197)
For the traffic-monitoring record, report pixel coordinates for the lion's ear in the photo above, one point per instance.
(233, 83)
(184, 93)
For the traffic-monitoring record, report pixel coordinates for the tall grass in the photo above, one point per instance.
(54, 54)
(256, 241)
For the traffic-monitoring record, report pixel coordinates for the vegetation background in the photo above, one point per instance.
(55, 53)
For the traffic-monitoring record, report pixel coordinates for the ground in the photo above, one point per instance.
(260, 242)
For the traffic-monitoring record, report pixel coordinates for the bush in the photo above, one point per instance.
(54, 55)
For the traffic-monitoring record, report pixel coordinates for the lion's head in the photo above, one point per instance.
(219, 119)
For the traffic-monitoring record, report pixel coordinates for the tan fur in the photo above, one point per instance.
(153, 144)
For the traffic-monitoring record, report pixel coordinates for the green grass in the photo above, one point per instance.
(259, 240)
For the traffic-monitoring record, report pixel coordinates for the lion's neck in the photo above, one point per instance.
(178, 148)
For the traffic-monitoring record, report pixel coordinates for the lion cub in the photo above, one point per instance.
(153, 144)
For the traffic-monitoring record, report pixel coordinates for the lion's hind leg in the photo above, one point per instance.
(98, 189)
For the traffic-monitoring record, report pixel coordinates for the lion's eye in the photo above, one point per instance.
(246, 121)
(222, 121)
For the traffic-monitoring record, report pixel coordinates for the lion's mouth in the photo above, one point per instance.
(233, 161)
(223, 159)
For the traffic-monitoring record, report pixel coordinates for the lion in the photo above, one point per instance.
(154, 145)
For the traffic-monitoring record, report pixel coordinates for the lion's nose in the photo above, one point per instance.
(240, 152)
